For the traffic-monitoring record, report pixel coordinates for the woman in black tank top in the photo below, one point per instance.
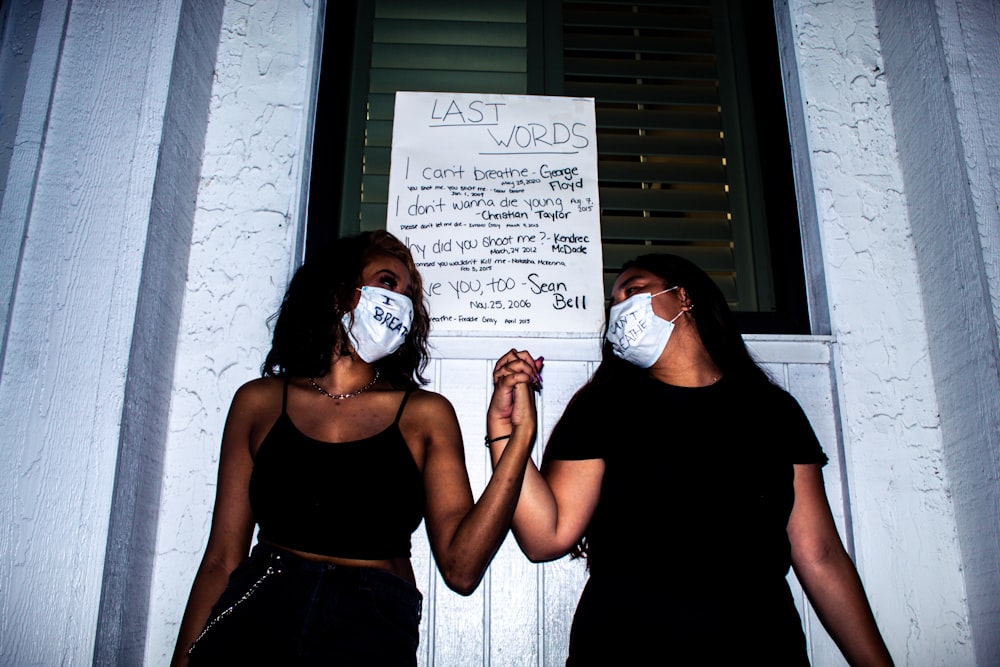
(336, 455)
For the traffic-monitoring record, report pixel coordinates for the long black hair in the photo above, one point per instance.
(308, 331)
(716, 326)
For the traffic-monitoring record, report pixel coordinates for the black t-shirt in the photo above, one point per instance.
(706, 472)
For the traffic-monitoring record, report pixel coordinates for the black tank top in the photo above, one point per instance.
(361, 499)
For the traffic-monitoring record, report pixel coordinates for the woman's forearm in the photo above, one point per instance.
(209, 583)
(837, 594)
(483, 529)
(535, 521)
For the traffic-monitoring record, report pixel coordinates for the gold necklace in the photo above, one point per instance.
(352, 394)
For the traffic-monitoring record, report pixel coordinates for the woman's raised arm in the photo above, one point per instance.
(553, 510)
(464, 535)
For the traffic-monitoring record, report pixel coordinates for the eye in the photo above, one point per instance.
(388, 281)
(631, 289)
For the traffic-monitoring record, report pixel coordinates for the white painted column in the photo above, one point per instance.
(904, 527)
(942, 56)
(76, 213)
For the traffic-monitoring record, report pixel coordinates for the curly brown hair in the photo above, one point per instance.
(308, 329)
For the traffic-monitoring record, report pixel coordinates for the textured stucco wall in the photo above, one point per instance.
(903, 517)
(245, 242)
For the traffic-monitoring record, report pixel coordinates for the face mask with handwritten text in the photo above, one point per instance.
(636, 333)
(382, 321)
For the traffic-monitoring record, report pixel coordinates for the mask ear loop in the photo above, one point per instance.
(687, 308)
(669, 289)
(684, 309)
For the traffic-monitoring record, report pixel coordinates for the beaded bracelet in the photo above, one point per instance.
(489, 441)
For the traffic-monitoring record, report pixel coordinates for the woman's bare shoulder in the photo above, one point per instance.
(255, 408)
(429, 412)
(258, 394)
(423, 400)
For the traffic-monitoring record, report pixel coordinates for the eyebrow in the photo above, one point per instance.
(629, 282)
(379, 272)
(399, 278)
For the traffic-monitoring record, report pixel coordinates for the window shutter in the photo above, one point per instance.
(671, 151)
(447, 46)
(679, 166)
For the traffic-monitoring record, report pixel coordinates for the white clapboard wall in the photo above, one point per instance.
(521, 613)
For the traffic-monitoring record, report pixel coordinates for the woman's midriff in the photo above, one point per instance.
(400, 567)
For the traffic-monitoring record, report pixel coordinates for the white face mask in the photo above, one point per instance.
(636, 333)
(382, 321)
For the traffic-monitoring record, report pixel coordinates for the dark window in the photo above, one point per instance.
(692, 139)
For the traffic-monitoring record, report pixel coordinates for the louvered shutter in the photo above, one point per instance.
(678, 159)
(671, 151)
(445, 46)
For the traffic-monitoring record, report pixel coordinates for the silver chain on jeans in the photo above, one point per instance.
(228, 610)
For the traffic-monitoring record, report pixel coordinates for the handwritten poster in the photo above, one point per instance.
(496, 197)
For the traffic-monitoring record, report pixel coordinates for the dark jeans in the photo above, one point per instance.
(285, 610)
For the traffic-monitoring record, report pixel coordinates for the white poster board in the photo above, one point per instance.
(496, 197)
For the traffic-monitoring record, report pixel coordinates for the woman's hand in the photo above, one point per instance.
(464, 536)
(552, 511)
(515, 377)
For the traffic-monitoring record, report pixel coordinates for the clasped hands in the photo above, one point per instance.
(516, 377)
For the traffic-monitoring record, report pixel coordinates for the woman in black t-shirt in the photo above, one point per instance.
(691, 483)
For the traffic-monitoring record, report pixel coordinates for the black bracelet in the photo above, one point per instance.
(489, 441)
